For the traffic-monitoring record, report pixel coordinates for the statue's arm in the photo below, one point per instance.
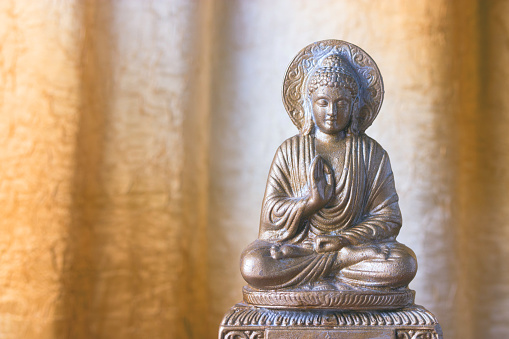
(382, 216)
(283, 209)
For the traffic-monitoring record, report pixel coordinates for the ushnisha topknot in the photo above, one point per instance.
(334, 72)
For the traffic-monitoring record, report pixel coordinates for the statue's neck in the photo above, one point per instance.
(325, 138)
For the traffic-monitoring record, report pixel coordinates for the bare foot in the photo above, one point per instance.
(323, 286)
(288, 251)
(351, 255)
(375, 252)
(275, 252)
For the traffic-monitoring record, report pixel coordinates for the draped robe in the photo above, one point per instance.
(364, 209)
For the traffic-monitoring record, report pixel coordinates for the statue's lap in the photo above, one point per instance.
(383, 265)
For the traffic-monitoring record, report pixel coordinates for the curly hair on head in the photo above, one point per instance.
(334, 72)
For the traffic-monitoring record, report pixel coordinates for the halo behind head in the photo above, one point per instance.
(332, 53)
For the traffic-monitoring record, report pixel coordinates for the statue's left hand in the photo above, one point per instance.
(330, 243)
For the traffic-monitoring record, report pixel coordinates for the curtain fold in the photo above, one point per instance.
(136, 138)
(105, 128)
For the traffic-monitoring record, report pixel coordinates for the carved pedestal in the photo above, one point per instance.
(249, 322)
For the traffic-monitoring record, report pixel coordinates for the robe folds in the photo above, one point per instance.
(364, 209)
(365, 204)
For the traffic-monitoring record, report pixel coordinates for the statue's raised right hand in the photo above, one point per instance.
(321, 185)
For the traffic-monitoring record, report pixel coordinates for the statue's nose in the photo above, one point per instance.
(333, 109)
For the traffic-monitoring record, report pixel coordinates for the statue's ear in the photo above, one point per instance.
(356, 105)
(354, 125)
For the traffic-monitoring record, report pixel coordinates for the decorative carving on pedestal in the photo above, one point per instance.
(245, 315)
(245, 321)
(243, 335)
(326, 263)
(416, 334)
(346, 300)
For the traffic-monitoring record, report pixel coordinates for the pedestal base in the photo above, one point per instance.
(249, 322)
(330, 299)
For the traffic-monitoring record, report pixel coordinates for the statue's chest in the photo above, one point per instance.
(334, 157)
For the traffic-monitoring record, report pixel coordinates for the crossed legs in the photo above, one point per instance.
(378, 265)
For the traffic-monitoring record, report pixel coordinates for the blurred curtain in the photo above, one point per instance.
(136, 137)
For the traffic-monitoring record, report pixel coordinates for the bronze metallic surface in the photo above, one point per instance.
(356, 300)
(330, 215)
(328, 334)
(247, 322)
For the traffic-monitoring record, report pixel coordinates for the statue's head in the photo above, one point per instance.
(333, 97)
(332, 68)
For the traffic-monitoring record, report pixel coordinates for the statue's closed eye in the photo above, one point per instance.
(322, 102)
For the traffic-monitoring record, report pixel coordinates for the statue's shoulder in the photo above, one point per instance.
(372, 151)
(371, 144)
(295, 141)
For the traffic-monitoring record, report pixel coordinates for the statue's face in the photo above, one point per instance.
(332, 108)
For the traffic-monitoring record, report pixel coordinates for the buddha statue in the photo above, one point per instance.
(330, 214)
(326, 263)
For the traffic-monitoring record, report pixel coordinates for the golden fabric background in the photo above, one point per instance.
(136, 137)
